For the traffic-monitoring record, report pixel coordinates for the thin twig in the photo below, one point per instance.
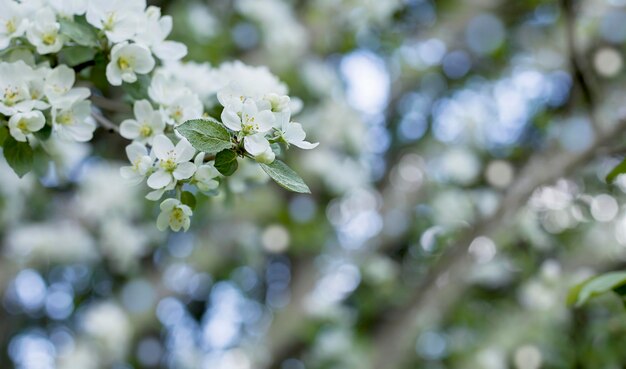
(105, 123)
(109, 105)
(578, 65)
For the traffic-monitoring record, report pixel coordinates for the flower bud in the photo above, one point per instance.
(267, 157)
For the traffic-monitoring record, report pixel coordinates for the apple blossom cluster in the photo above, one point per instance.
(36, 95)
(178, 146)
(191, 125)
(42, 42)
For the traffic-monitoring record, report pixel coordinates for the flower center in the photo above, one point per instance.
(124, 63)
(145, 131)
(249, 127)
(10, 96)
(177, 114)
(65, 118)
(177, 215)
(136, 164)
(10, 26)
(169, 165)
(49, 38)
(22, 125)
(35, 94)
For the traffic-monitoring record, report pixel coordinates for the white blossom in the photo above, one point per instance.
(252, 123)
(200, 78)
(277, 103)
(128, 60)
(35, 82)
(33, 94)
(141, 163)
(155, 30)
(13, 23)
(58, 87)
(165, 88)
(293, 133)
(177, 103)
(173, 162)
(119, 19)
(44, 33)
(72, 121)
(146, 125)
(14, 94)
(205, 175)
(251, 81)
(184, 107)
(175, 215)
(266, 157)
(23, 124)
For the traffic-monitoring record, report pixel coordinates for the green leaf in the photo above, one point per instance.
(619, 169)
(79, 32)
(206, 135)
(18, 155)
(285, 176)
(226, 162)
(4, 134)
(596, 286)
(188, 199)
(76, 55)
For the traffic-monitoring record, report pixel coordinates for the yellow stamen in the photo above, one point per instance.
(123, 63)
(10, 26)
(49, 38)
(169, 165)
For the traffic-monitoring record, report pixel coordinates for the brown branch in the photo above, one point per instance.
(110, 105)
(105, 123)
(578, 64)
(393, 338)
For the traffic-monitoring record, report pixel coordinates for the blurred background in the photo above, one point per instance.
(458, 193)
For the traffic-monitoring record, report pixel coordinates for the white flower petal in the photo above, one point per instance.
(184, 151)
(156, 194)
(129, 129)
(184, 170)
(265, 120)
(256, 144)
(159, 179)
(144, 62)
(143, 110)
(231, 120)
(163, 221)
(170, 50)
(114, 76)
(162, 146)
(169, 204)
(293, 133)
(135, 151)
(306, 145)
